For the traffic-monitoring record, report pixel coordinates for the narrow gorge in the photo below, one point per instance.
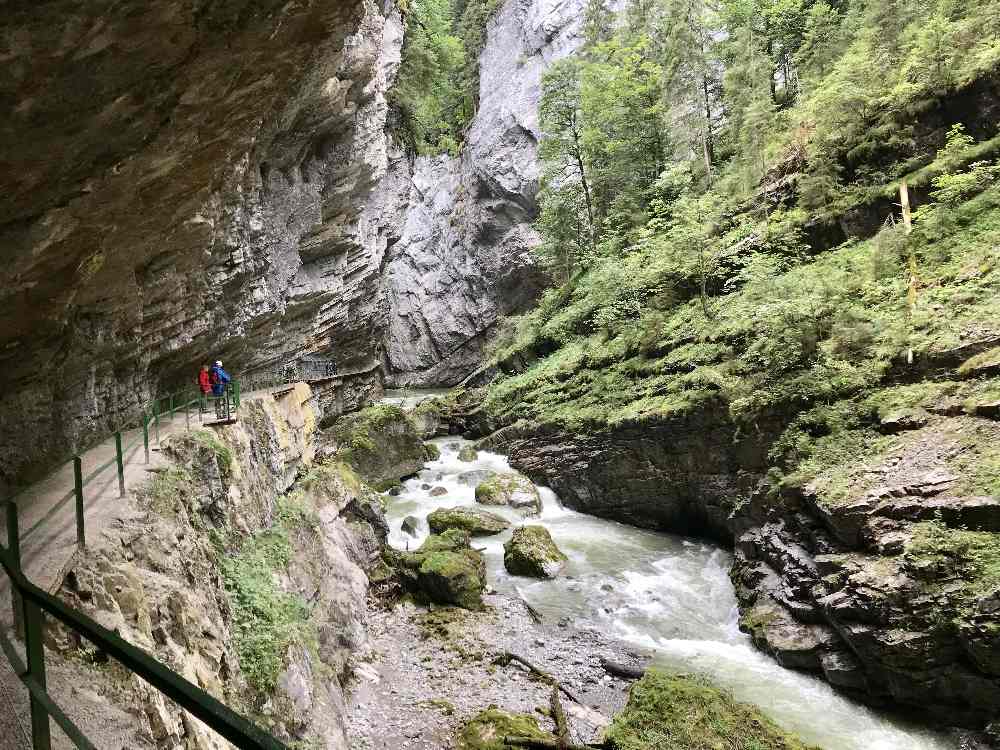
(587, 374)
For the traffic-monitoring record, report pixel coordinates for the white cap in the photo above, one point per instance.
(218, 363)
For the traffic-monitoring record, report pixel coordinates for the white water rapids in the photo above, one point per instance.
(660, 592)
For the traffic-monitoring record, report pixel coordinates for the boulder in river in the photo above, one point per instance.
(438, 491)
(531, 552)
(468, 454)
(488, 729)
(410, 525)
(475, 477)
(474, 520)
(431, 452)
(445, 569)
(510, 488)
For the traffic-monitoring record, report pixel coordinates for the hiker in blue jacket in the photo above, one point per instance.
(219, 379)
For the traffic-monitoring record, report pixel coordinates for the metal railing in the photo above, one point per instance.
(31, 603)
(35, 604)
(186, 400)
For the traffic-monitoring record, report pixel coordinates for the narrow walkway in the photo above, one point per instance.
(47, 510)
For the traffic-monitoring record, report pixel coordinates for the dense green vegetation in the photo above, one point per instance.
(437, 88)
(675, 712)
(266, 619)
(715, 180)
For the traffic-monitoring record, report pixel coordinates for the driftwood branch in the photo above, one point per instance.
(535, 614)
(559, 717)
(622, 670)
(537, 744)
(509, 657)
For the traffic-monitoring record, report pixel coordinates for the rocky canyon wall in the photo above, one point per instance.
(463, 257)
(215, 180)
(181, 181)
(242, 566)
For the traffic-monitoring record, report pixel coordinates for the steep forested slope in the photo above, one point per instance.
(748, 337)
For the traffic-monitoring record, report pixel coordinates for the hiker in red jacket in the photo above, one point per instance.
(204, 383)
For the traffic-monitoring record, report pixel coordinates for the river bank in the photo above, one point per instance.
(625, 593)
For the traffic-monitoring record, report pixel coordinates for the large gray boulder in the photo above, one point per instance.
(511, 489)
(531, 552)
(475, 521)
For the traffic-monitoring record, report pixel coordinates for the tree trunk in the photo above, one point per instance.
(578, 156)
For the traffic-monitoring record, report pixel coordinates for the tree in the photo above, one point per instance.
(561, 151)
(624, 141)
(691, 84)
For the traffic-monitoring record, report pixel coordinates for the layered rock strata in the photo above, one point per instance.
(463, 259)
(182, 182)
(175, 573)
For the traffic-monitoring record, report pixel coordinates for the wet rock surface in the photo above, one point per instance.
(512, 489)
(431, 672)
(531, 552)
(476, 521)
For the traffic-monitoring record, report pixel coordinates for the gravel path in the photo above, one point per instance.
(430, 671)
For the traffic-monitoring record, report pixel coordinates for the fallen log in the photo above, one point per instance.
(559, 717)
(536, 744)
(509, 657)
(624, 671)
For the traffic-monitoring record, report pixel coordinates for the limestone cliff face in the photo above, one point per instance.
(462, 258)
(206, 180)
(245, 522)
(181, 181)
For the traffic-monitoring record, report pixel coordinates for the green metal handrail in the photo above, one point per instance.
(35, 603)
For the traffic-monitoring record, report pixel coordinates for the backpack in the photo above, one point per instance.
(213, 377)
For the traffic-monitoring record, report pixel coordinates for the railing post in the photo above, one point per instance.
(156, 426)
(121, 464)
(14, 545)
(236, 393)
(81, 538)
(145, 435)
(30, 616)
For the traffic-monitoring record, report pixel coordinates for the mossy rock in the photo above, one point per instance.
(468, 454)
(487, 730)
(477, 522)
(454, 578)
(531, 552)
(512, 489)
(431, 452)
(987, 363)
(681, 713)
(445, 569)
(381, 443)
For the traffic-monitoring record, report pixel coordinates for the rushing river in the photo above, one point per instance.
(664, 593)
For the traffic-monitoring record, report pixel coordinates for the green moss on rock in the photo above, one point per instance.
(510, 488)
(531, 552)
(477, 522)
(487, 730)
(445, 570)
(673, 712)
(431, 452)
(381, 443)
(468, 454)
